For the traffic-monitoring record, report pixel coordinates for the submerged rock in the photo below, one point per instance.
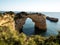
(52, 19)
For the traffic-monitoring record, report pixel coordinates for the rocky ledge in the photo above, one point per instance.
(52, 19)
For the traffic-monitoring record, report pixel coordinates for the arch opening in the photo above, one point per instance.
(29, 27)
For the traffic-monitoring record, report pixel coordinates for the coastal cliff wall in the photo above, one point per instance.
(8, 21)
(19, 24)
(16, 21)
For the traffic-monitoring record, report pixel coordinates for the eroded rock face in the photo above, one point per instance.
(40, 22)
(20, 21)
(19, 24)
(8, 21)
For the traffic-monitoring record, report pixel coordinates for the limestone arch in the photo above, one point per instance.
(40, 22)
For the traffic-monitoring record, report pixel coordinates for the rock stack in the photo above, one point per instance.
(52, 19)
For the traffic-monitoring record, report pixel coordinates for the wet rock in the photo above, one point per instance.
(52, 19)
(39, 31)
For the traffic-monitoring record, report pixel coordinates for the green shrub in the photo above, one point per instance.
(14, 38)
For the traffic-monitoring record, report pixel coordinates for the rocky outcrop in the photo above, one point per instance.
(10, 13)
(16, 22)
(39, 19)
(19, 24)
(20, 21)
(52, 19)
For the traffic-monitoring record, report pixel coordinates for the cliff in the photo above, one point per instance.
(8, 21)
(16, 21)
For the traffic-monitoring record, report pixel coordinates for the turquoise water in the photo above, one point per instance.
(52, 28)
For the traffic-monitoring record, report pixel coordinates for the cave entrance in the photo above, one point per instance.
(29, 27)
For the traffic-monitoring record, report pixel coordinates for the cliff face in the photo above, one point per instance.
(8, 21)
(19, 24)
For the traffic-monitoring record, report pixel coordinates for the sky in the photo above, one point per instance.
(30, 5)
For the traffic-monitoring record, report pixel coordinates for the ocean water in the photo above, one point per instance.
(52, 27)
(28, 27)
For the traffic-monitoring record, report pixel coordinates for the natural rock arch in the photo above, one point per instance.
(40, 22)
